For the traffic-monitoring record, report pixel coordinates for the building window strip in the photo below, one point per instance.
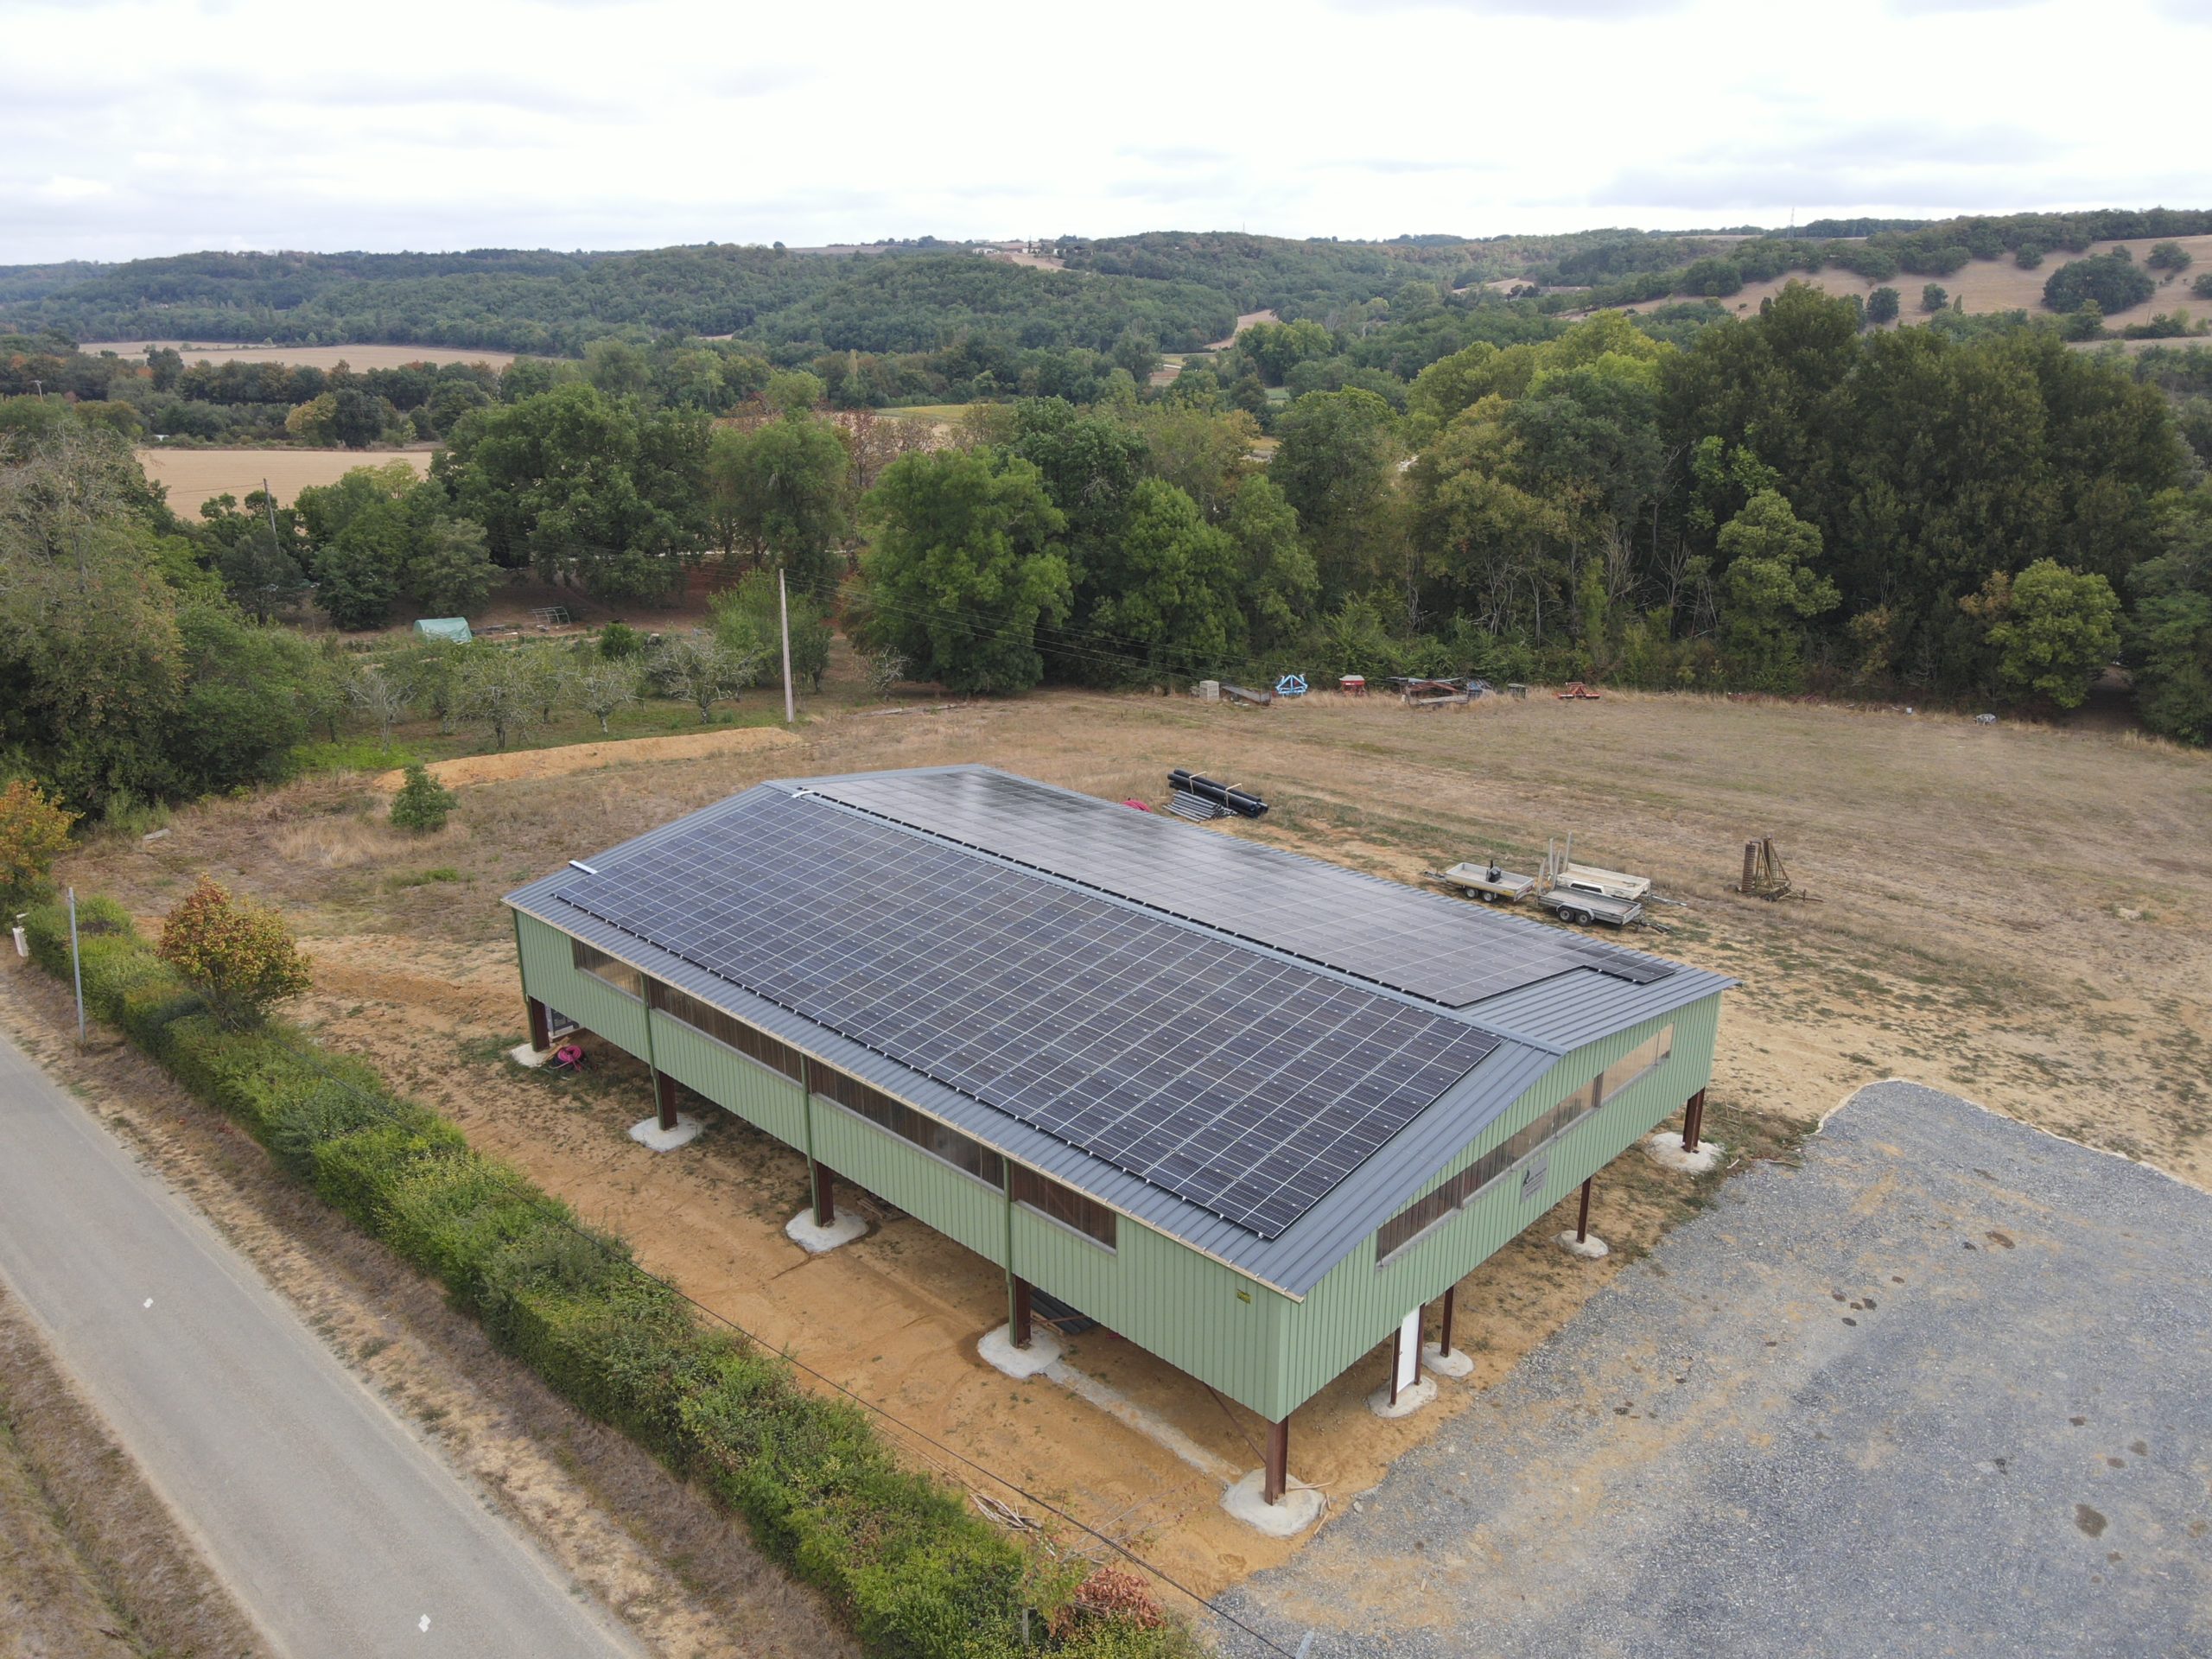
(1430, 1210)
(725, 1028)
(964, 1154)
(1064, 1204)
(614, 974)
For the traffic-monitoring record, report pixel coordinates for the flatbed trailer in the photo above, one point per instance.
(1570, 905)
(1563, 872)
(1487, 882)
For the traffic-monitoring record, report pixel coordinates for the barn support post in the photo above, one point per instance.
(1019, 1320)
(665, 1098)
(1276, 1478)
(1444, 1327)
(1582, 1221)
(1693, 1120)
(541, 1028)
(1397, 1361)
(825, 1193)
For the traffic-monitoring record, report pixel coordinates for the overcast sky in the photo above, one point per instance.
(162, 126)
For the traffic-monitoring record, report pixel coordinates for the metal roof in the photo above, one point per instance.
(1534, 1025)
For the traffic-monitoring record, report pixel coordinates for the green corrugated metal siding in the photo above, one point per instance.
(1161, 1295)
(924, 1185)
(1355, 1308)
(550, 974)
(765, 1098)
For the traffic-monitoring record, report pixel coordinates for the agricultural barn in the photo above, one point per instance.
(1250, 1110)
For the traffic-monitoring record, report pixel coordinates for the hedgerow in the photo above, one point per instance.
(916, 1573)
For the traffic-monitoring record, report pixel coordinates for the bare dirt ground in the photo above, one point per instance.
(197, 475)
(91, 1565)
(311, 357)
(676, 1572)
(591, 757)
(1244, 321)
(2014, 912)
(2000, 285)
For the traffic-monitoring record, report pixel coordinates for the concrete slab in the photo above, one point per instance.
(1411, 1398)
(819, 1240)
(1000, 1354)
(649, 1132)
(523, 1054)
(1301, 1506)
(1458, 1363)
(1593, 1248)
(1665, 1149)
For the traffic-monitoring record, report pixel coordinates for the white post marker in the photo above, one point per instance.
(77, 967)
(784, 604)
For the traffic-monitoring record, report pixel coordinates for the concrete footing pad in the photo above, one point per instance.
(816, 1240)
(1300, 1509)
(1000, 1354)
(1458, 1363)
(647, 1132)
(523, 1054)
(1411, 1399)
(1593, 1248)
(1665, 1149)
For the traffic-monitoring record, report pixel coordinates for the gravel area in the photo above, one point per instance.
(1944, 1390)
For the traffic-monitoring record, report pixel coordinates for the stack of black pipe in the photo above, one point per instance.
(1250, 806)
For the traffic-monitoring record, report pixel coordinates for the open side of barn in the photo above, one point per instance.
(1264, 1292)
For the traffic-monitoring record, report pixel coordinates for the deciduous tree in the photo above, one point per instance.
(238, 955)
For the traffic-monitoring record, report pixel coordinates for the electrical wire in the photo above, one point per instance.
(548, 1207)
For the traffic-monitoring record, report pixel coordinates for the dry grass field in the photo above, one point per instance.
(197, 475)
(2000, 285)
(311, 357)
(2019, 914)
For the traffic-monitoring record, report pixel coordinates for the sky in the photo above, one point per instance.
(164, 126)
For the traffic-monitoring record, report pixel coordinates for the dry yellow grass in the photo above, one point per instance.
(197, 475)
(314, 356)
(2019, 914)
(2000, 285)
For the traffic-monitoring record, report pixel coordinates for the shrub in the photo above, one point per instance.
(1933, 298)
(2170, 256)
(917, 1574)
(2110, 281)
(619, 641)
(34, 832)
(424, 803)
(237, 954)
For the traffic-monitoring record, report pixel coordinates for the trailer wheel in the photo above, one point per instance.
(1490, 898)
(1579, 918)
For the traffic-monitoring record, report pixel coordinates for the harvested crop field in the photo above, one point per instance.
(2012, 913)
(2001, 285)
(311, 357)
(196, 475)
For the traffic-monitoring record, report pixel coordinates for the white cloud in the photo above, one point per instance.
(139, 127)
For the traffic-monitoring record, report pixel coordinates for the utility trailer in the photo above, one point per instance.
(1581, 894)
(1487, 882)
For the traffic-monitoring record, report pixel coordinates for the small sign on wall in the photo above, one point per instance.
(1533, 1177)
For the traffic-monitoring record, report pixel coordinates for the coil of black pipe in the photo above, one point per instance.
(1238, 801)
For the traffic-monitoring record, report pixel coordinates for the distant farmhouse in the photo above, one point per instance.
(1249, 1111)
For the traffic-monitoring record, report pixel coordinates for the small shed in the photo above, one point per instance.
(453, 628)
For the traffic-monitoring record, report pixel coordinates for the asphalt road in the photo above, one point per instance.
(338, 1531)
(1945, 1392)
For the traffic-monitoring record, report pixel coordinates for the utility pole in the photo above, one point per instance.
(784, 604)
(268, 501)
(77, 967)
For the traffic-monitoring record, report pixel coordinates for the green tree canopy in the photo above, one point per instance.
(2053, 630)
(963, 567)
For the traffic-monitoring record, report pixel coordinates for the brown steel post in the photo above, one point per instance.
(1397, 1353)
(1582, 1222)
(1278, 1464)
(541, 1029)
(1693, 1120)
(1444, 1331)
(665, 1098)
(825, 1194)
(1021, 1322)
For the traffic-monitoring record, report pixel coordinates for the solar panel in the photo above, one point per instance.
(1440, 949)
(1245, 1084)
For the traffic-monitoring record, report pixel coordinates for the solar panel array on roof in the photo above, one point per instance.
(1424, 944)
(1247, 1085)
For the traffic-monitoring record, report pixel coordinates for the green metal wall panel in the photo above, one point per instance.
(1355, 1306)
(924, 1185)
(765, 1098)
(1199, 1315)
(550, 974)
